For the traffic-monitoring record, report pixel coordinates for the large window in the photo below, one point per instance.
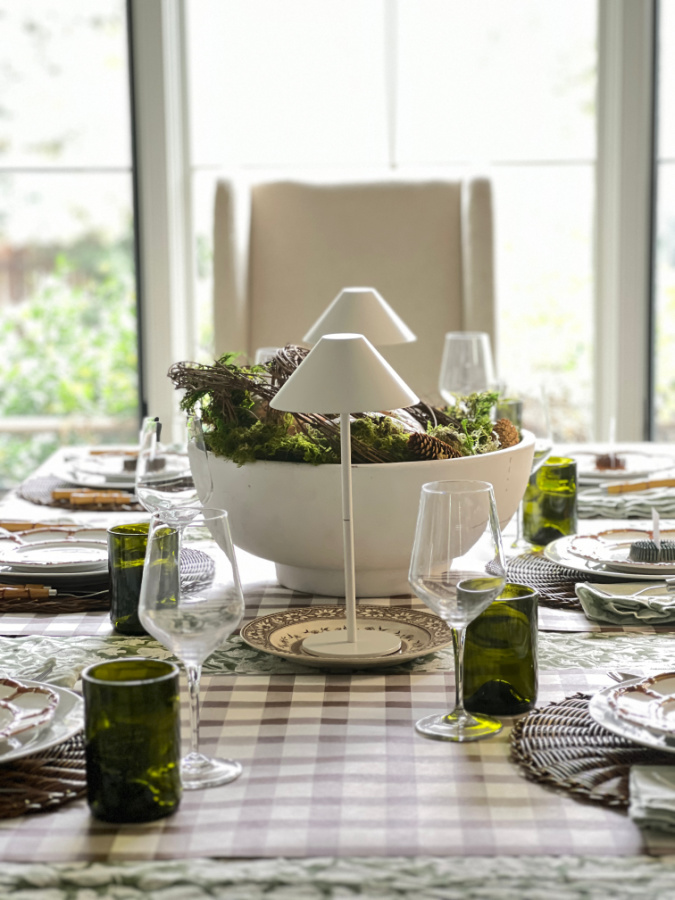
(68, 338)
(434, 87)
(664, 331)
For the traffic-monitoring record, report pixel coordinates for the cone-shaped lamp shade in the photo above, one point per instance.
(343, 373)
(361, 310)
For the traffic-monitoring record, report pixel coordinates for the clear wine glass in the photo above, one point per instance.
(533, 409)
(191, 608)
(467, 365)
(164, 483)
(457, 569)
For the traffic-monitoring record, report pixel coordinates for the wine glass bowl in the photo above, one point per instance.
(164, 483)
(457, 570)
(192, 612)
(467, 365)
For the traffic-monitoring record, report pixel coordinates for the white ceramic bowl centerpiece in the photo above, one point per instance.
(290, 513)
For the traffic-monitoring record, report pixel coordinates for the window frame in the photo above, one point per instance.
(624, 209)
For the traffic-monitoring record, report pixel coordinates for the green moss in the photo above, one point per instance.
(383, 433)
(473, 432)
(270, 441)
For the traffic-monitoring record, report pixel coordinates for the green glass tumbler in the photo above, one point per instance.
(550, 502)
(126, 554)
(500, 654)
(132, 739)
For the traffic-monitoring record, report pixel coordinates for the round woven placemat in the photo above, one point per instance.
(561, 745)
(555, 583)
(43, 781)
(39, 490)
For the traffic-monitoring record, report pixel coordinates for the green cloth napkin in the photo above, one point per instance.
(652, 797)
(627, 603)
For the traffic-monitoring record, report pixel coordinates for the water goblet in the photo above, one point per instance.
(164, 483)
(457, 569)
(191, 600)
(467, 366)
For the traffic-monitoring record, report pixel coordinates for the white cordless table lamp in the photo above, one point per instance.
(344, 373)
(361, 310)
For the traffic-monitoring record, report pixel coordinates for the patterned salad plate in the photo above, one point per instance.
(282, 634)
(559, 552)
(641, 709)
(612, 548)
(24, 707)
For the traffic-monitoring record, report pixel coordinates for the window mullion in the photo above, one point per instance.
(164, 200)
(623, 217)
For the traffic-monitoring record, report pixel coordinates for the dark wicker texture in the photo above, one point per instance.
(562, 746)
(555, 583)
(43, 781)
(63, 602)
(39, 490)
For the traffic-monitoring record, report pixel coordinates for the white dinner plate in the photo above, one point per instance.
(24, 708)
(42, 557)
(68, 719)
(608, 712)
(637, 464)
(61, 533)
(612, 548)
(559, 552)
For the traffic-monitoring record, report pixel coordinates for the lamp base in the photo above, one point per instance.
(367, 643)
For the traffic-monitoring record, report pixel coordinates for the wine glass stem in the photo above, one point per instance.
(459, 637)
(193, 677)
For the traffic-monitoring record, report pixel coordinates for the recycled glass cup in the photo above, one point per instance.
(500, 654)
(550, 502)
(126, 553)
(132, 739)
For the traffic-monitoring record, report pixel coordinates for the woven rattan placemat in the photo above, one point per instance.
(562, 746)
(39, 490)
(95, 600)
(43, 781)
(555, 583)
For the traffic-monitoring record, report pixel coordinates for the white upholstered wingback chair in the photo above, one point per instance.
(283, 250)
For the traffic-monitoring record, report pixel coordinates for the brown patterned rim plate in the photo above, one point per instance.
(282, 634)
(67, 720)
(639, 710)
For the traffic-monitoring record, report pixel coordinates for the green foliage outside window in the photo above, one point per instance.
(68, 350)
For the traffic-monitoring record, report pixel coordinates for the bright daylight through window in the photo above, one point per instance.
(431, 88)
(68, 357)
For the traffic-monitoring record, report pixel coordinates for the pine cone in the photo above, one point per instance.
(507, 433)
(425, 446)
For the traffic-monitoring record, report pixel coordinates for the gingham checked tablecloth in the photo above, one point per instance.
(332, 766)
(264, 597)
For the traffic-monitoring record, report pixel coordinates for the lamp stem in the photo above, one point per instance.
(348, 524)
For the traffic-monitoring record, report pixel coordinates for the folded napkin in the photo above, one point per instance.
(652, 797)
(597, 503)
(627, 604)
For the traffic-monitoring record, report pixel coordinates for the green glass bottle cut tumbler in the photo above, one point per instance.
(500, 655)
(126, 554)
(132, 739)
(550, 502)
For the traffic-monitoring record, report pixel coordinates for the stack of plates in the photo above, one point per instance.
(55, 556)
(35, 717)
(100, 471)
(636, 464)
(642, 710)
(608, 553)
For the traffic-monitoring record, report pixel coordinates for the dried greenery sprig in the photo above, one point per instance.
(241, 425)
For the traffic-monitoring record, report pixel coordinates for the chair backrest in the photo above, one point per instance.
(284, 249)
